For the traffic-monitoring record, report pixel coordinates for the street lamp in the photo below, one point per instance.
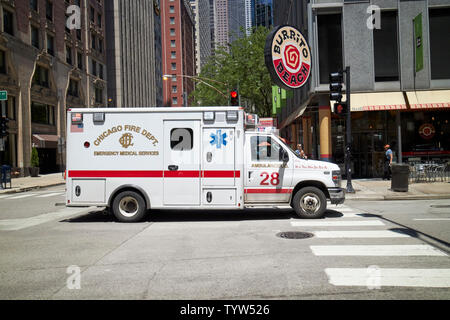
(199, 79)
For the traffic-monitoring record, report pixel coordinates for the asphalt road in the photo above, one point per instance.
(361, 250)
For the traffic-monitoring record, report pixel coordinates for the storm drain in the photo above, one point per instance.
(294, 235)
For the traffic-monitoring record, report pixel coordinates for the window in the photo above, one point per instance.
(50, 45)
(8, 22)
(172, 20)
(174, 89)
(92, 14)
(172, 43)
(34, 5)
(41, 77)
(49, 10)
(171, 9)
(68, 54)
(35, 37)
(100, 45)
(172, 32)
(80, 60)
(42, 113)
(3, 62)
(174, 78)
(385, 48)
(73, 88)
(439, 43)
(94, 68)
(181, 139)
(99, 20)
(264, 148)
(174, 66)
(78, 32)
(93, 40)
(100, 71)
(330, 45)
(173, 54)
(98, 95)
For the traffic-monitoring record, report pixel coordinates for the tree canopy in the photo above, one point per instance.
(240, 67)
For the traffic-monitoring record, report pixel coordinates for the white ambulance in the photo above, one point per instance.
(135, 159)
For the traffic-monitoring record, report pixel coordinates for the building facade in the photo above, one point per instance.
(48, 67)
(221, 24)
(202, 38)
(236, 19)
(177, 23)
(134, 53)
(400, 80)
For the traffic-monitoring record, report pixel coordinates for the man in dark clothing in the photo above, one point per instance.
(387, 162)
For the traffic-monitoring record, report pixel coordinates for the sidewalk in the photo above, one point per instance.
(28, 183)
(377, 189)
(365, 189)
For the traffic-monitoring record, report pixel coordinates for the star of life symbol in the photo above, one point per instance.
(218, 139)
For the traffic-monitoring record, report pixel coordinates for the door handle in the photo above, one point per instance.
(173, 168)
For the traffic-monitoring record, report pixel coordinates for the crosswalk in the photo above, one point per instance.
(14, 196)
(356, 235)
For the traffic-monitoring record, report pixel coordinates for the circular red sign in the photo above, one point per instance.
(427, 131)
(288, 57)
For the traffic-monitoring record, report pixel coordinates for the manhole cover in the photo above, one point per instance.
(440, 206)
(294, 235)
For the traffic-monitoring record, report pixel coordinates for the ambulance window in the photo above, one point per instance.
(265, 149)
(181, 139)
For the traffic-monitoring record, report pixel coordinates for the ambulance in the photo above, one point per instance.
(132, 160)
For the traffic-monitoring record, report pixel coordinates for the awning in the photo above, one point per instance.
(45, 141)
(434, 99)
(294, 115)
(377, 101)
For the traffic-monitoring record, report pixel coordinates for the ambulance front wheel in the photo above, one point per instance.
(310, 203)
(128, 206)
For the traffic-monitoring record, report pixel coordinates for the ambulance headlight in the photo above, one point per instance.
(232, 115)
(208, 116)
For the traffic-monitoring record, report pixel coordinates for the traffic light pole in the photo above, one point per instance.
(348, 153)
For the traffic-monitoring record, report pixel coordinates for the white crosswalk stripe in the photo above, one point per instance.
(27, 195)
(376, 250)
(339, 223)
(375, 278)
(360, 234)
(50, 195)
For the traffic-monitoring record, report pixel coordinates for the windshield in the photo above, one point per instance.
(287, 147)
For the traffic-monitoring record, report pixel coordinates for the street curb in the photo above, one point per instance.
(24, 189)
(392, 198)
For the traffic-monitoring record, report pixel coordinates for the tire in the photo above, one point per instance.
(129, 206)
(310, 203)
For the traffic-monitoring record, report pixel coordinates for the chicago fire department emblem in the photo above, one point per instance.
(126, 139)
(288, 57)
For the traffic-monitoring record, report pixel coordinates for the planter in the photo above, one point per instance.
(34, 171)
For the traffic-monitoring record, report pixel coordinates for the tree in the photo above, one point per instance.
(34, 158)
(240, 67)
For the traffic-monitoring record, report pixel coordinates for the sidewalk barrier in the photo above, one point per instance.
(400, 177)
(5, 177)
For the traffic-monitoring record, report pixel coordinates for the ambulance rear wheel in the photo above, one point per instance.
(310, 203)
(128, 206)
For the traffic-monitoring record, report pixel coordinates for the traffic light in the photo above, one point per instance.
(234, 98)
(4, 127)
(336, 86)
(340, 108)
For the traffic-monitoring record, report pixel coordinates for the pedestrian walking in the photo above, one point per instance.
(387, 162)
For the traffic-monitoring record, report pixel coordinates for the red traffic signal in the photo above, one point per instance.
(234, 98)
(340, 109)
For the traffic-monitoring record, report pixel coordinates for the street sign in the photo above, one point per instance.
(418, 50)
(3, 95)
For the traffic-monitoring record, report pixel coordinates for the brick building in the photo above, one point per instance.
(177, 24)
(47, 68)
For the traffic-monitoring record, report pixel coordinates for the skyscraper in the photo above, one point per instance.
(236, 19)
(202, 37)
(134, 63)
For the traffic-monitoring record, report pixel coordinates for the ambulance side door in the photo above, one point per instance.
(269, 170)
